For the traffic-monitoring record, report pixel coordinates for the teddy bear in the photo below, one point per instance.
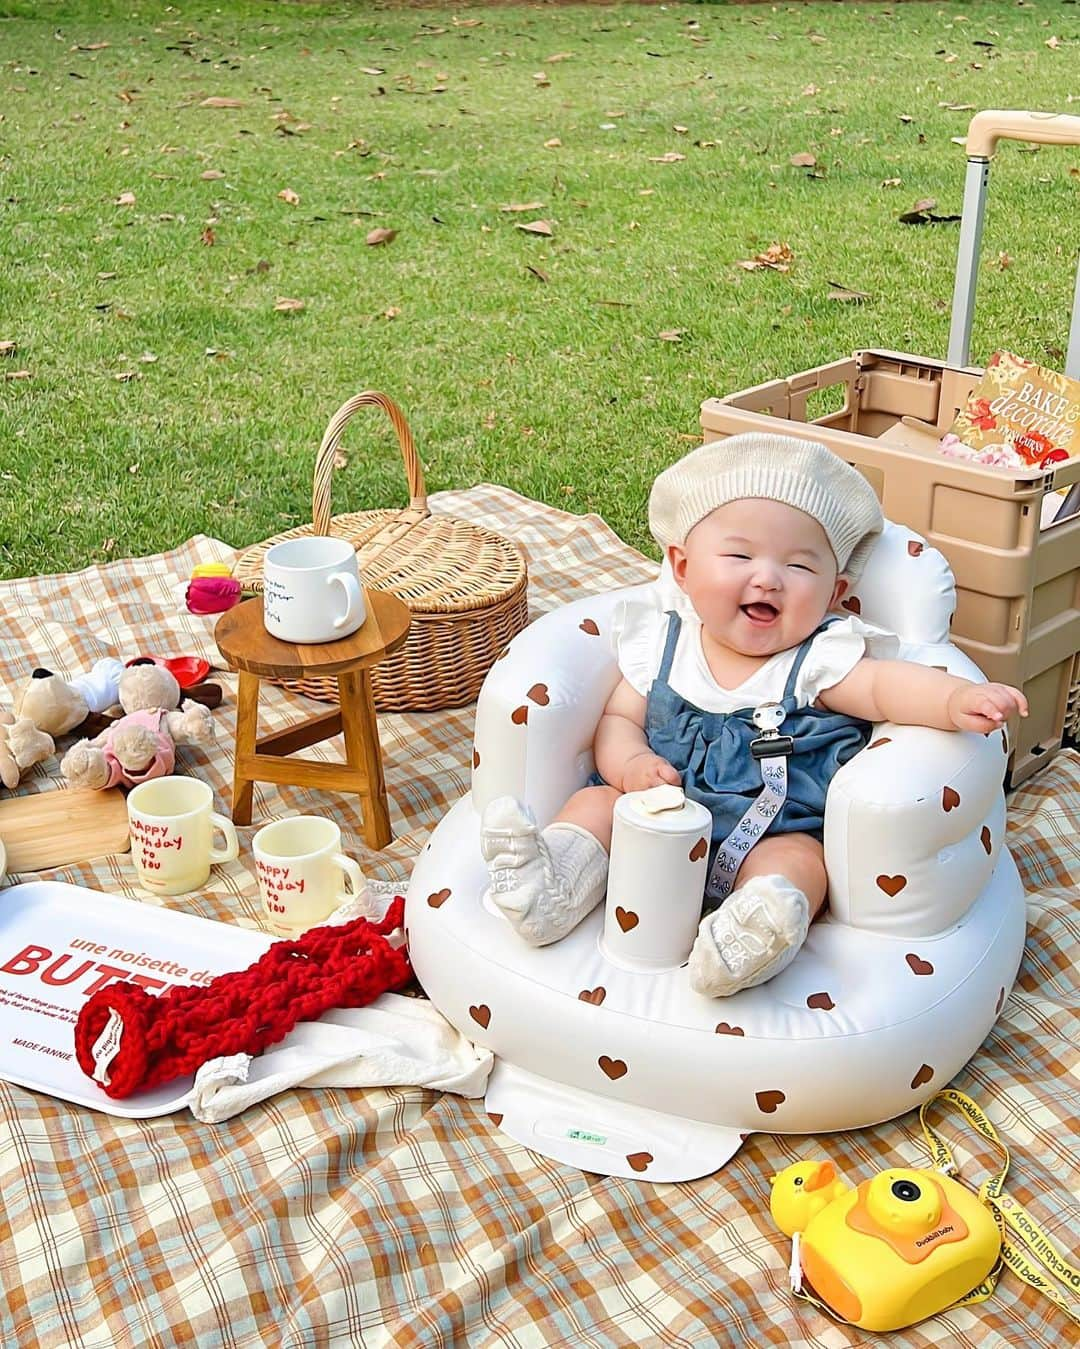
(139, 746)
(51, 706)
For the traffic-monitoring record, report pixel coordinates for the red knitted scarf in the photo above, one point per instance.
(161, 1038)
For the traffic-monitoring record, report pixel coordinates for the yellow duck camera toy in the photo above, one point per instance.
(899, 1248)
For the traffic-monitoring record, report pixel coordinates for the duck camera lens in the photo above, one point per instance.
(906, 1190)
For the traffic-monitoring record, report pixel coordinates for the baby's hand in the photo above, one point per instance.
(985, 707)
(648, 770)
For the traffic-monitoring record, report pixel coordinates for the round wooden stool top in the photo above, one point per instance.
(244, 642)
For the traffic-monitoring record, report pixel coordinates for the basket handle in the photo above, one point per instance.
(324, 462)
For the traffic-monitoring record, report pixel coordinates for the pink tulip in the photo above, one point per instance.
(213, 594)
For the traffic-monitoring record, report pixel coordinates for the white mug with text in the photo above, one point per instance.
(302, 872)
(172, 826)
(311, 590)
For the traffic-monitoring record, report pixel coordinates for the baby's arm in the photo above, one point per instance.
(910, 694)
(623, 756)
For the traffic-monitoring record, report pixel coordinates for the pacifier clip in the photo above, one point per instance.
(129, 1040)
(772, 751)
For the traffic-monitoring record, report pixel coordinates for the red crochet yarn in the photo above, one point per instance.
(242, 1012)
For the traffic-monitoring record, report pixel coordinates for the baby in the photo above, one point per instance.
(764, 535)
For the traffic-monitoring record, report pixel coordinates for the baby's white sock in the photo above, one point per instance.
(545, 883)
(753, 935)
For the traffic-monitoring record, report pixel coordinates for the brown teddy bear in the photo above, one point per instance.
(138, 747)
(51, 706)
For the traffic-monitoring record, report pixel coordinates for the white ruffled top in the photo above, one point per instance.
(639, 634)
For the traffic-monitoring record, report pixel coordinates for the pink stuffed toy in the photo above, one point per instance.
(137, 747)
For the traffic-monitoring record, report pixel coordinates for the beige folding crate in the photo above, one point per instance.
(1017, 574)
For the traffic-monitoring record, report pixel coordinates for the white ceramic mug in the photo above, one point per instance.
(172, 834)
(302, 872)
(312, 590)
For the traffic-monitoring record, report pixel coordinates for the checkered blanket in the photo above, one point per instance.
(403, 1216)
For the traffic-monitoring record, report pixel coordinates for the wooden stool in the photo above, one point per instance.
(248, 648)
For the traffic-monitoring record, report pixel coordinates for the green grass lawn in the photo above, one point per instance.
(166, 395)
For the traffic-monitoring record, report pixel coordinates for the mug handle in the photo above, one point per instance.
(353, 874)
(231, 850)
(354, 598)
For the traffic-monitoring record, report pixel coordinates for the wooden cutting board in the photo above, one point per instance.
(50, 829)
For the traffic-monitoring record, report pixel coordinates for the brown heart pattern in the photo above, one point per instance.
(520, 716)
(852, 604)
(698, 851)
(768, 1102)
(496, 1119)
(892, 885)
(950, 799)
(820, 1002)
(589, 626)
(627, 919)
(917, 965)
(539, 695)
(724, 1029)
(914, 548)
(986, 840)
(639, 1161)
(923, 1076)
(594, 995)
(613, 1068)
(481, 1015)
(476, 758)
(883, 740)
(438, 899)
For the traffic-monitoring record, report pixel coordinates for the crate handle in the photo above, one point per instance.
(324, 462)
(1041, 128)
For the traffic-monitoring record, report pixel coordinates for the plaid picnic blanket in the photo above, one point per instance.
(403, 1217)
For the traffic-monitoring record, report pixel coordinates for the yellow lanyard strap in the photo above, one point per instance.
(1020, 1233)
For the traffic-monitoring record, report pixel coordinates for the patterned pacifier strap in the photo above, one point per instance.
(771, 750)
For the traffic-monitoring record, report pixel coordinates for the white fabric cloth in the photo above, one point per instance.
(393, 1042)
(639, 632)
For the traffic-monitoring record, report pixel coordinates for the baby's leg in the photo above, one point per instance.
(759, 928)
(545, 883)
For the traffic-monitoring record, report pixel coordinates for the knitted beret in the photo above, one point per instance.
(800, 473)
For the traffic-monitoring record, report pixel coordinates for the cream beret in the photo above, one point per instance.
(800, 473)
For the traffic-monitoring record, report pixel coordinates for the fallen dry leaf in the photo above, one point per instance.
(537, 227)
(210, 174)
(672, 157)
(671, 335)
(208, 237)
(90, 47)
(810, 90)
(341, 459)
(892, 182)
(1053, 43)
(778, 257)
(682, 130)
(523, 206)
(216, 102)
(285, 306)
(846, 294)
(125, 199)
(542, 81)
(125, 376)
(148, 358)
(559, 56)
(392, 312)
(106, 276)
(540, 276)
(922, 213)
(288, 195)
(803, 160)
(380, 236)
(17, 374)
(1004, 260)
(7, 348)
(371, 70)
(553, 144)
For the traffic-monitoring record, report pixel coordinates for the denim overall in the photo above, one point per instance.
(711, 750)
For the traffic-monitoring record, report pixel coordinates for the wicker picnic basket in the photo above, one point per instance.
(465, 586)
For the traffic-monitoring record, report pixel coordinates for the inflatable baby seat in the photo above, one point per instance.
(618, 1067)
